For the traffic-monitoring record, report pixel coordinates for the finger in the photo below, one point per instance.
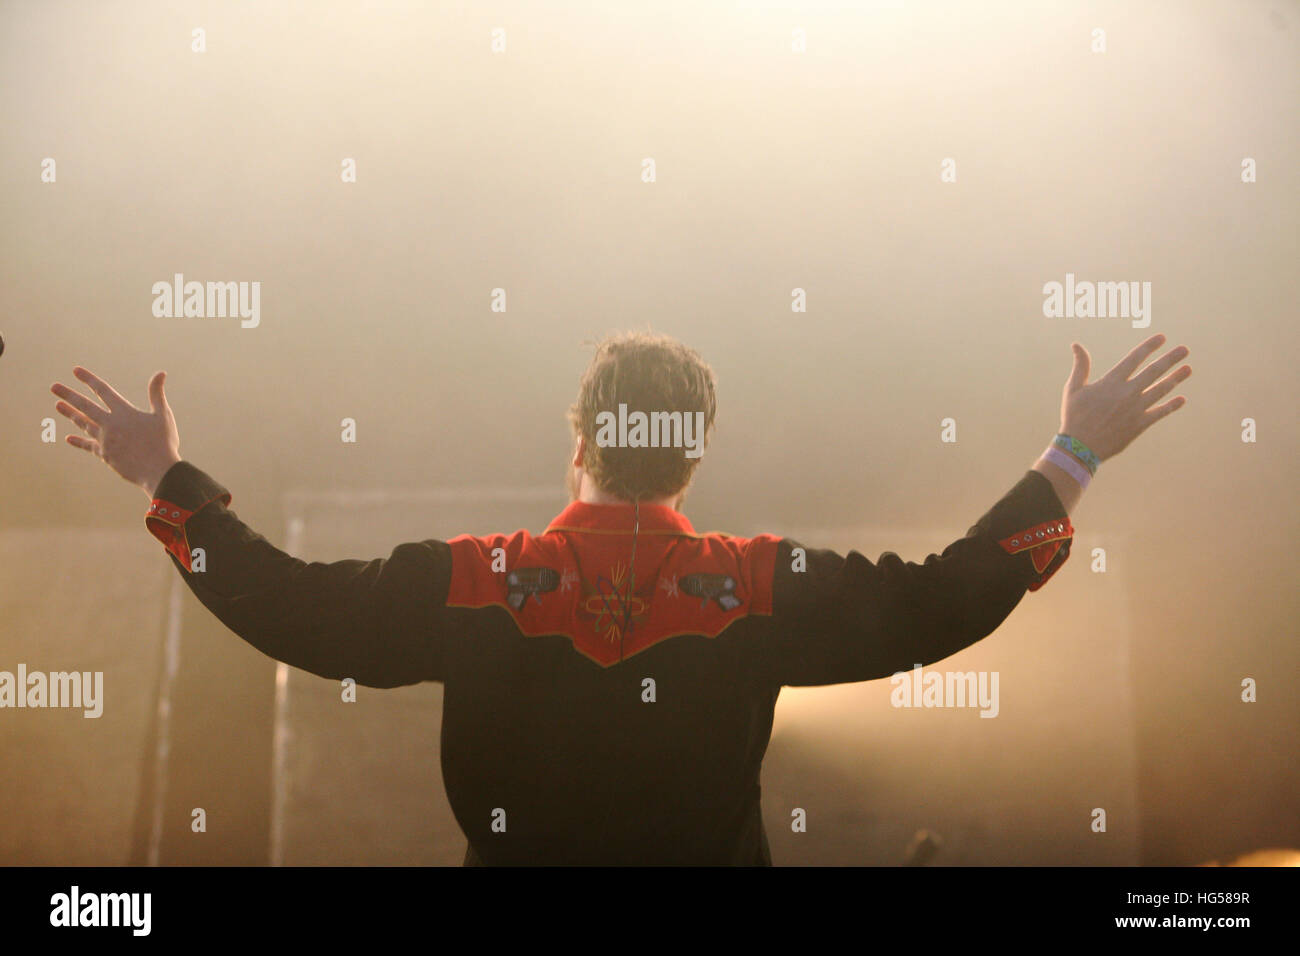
(1160, 366)
(1165, 386)
(1082, 365)
(157, 400)
(78, 419)
(86, 444)
(1160, 411)
(107, 394)
(1130, 363)
(88, 408)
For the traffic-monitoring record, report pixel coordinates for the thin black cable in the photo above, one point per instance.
(631, 579)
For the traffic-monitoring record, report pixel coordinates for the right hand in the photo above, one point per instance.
(1109, 413)
(140, 446)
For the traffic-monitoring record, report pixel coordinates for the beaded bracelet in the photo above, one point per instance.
(1080, 451)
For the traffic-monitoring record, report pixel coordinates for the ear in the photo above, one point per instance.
(580, 451)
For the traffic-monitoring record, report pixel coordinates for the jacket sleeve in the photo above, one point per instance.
(841, 618)
(379, 622)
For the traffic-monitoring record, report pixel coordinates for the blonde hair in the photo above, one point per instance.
(647, 373)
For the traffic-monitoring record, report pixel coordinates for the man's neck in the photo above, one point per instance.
(589, 493)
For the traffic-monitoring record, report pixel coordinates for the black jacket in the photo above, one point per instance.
(609, 701)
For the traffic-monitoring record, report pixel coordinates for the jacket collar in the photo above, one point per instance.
(620, 519)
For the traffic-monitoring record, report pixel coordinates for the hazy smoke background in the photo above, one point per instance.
(775, 171)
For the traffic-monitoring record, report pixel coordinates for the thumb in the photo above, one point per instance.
(157, 400)
(1082, 365)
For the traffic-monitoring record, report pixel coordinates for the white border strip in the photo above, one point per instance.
(280, 737)
(171, 666)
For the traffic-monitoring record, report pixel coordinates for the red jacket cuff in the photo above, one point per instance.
(1048, 544)
(183, 492)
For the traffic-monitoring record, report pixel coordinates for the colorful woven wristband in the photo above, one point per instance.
(1080, 451)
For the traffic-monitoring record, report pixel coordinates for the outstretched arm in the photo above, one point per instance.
(841, 618)
(377, 622)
